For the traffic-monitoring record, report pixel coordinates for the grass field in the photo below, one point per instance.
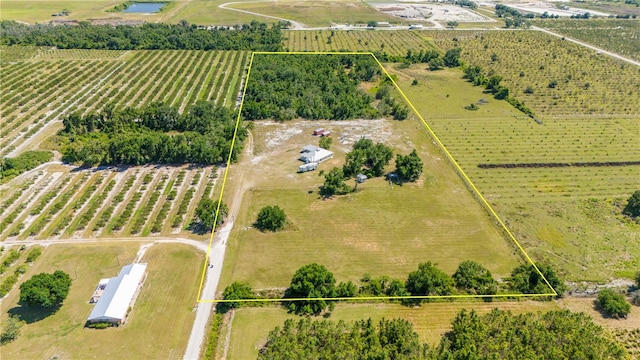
(379, 230)
(563, 216)
(162, 311)
(430, 321)
(320, 13)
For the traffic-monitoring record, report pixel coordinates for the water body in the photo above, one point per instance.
(143, 7)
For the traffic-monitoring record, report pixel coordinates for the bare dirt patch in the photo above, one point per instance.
(430, 12)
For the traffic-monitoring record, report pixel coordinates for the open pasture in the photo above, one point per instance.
(53, 83)
(430, 321)
(565, 216)
(380, 229)
(60, 202)
(566, 79)
(162, 312)
(391, 42)
(319, 13)
(621, 36)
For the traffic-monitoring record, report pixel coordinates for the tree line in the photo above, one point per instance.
(11, 167)
(316, 283)
(156, 133)
(499, 334)
(284, 87)
(150, 36)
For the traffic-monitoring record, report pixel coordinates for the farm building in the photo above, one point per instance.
(307, 167)
(117, 294)
(318, 132)
(314, 154)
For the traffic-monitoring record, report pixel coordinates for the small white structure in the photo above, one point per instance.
(307, 167)
(314, 154)
(360, 178)
(118, 295)
(416, 27)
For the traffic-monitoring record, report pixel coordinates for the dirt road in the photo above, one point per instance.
(294, 24)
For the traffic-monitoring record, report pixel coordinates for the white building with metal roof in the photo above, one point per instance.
(119, 294)
(314, 154)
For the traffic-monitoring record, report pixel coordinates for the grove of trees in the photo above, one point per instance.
(526, 280)
(157, 133)
(149, 36)
(46, 290)
(12, 167)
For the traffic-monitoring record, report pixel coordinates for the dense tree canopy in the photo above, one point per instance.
(502, 335)
(308, 339)
(633, 205)
(150, 36)
(452, 57)
(429, 280)
(474, 278)
(285, 87)
(409, 167)
(368, 158)
(11, 167)
(205, 213)
(235, 291)
(334, 183)
(271, 218)
(527, 280)
(156, 133)
(311, 281)
(46, 290)
(613, 304)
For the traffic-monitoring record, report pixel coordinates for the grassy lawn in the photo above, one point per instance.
(430, 321)
(320, 13)
(162, 311)
(563, 216)
(380, 230)
(207, 12)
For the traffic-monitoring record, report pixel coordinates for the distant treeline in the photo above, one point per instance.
(255, 36)
(284, 87)
(156, 133)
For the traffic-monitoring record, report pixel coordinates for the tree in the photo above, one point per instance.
(429, 280)
(334, 183)
(46, 290)
(527, 280)
(409, 167)
(452, 57)
(11, 329)
(235, 291)
(452, 24)
(436, 64)
(633, 206)
(206, 213)
(368, 158)
(271, 218)
(474, 278)
(612, 304)
(311, 281)
(325, 142)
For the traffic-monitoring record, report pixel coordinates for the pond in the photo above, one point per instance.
(143, 7)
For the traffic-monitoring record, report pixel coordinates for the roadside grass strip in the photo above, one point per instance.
(467, 181)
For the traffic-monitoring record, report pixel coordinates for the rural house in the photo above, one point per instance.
(314, 154)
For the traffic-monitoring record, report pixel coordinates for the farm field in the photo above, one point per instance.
(41, 91)
(162, 311)
(248, 335)
(391, 42)
(60, 202)
(380, 230)
(40, 11)
(566, 79)
(621, 36)
(563, 216)
(320, 13)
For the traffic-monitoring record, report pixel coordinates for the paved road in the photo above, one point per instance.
(612, 54)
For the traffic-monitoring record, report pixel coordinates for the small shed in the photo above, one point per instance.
(326, 133)
(360, 178)
(307, 167)
(318, 132)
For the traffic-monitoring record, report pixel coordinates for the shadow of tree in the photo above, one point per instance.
(32, 314)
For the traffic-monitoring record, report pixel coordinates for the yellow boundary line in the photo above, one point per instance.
(450, 157)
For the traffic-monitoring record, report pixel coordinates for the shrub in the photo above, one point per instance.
(271, 218)
(612, 304)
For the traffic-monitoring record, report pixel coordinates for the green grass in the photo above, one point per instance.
(320, 13)
(430, 321)
(562, 216)
(207, 12)
(162, 311)
(378, 230)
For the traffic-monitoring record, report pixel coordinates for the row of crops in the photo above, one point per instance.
(617, 35)
(112, 202)
(552, 76)
(40, 92)
(391, 42)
